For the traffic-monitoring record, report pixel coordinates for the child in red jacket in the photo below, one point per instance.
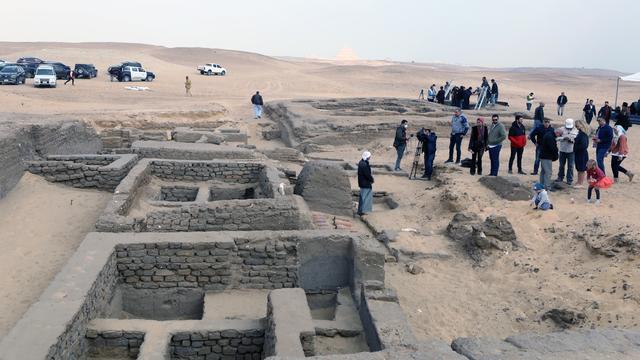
(597, 180)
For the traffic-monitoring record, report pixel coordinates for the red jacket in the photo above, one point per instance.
(594, 175)
(517, 135)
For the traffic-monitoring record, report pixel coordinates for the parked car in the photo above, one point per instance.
(130, 73)
(45, 76)
(62, 71)
(212, 69)
(85, 71)
(29, 64)
(12, 74)
(2, 62)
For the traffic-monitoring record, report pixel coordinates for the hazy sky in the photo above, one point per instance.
(499, 33)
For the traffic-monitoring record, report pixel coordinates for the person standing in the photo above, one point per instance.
(72, 78)
(602, 141)
(605, 112)
(431, 95)
(440, 95)
(421, 95)
(536, 137)
(581, 151)
(485, 83)
(530, 99)
(187, 86)
(619, 150)
(459, 128)
(497, 134)
(400, 142)
(518, 140)
(365, 181)
(429, 141)
(466, 97)
(567, 157)
(548, 154)
(257, 102)
(562, 101)
(622, 117)
(494, 92)
(589, 111)
(538, 116)
(478, 145)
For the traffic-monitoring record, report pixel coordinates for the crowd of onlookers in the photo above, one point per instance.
(460, 96)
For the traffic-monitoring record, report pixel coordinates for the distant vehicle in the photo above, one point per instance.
(212, 69)
(130, 71)
(2, 62)
(45, 76)
(85, 71)
(30, 64)
(62, 70)
(12, 74)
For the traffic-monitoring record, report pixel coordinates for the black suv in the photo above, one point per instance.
(85, 71)
(116, 72)
(29, 64)
(62, 70)
(12, 74)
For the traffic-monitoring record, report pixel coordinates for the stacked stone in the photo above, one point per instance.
(178, 193)
(211, 266)
(199, 171)
(229, 215)
(119, 138)
(225, 344)
(189, 151)
(125, 344)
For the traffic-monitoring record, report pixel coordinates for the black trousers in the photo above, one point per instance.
(476, 162)
(616, 166)
(516, 152)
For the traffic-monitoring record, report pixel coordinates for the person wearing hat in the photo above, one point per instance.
(365, 180)
(541, 198)
(566, 140)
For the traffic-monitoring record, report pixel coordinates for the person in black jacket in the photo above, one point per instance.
(440, 95)
(589, 111)
(538, 116)
(478, 145)
(494, 92)
(548, 154)
(536, 136)
(562, 101)
(257, 102)
(429, 141)
(622, 117)
(400, 142)
(605, 112)
(365, 180)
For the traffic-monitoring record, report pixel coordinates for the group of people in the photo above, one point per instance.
(460, 96)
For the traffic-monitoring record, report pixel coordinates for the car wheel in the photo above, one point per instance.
(201, 72)
(223, 73)
(209, 72)
(127, 78)
(149, 78)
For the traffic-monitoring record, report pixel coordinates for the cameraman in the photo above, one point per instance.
(428, 139)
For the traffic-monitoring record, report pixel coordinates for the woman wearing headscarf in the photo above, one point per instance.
(365, 179)
(478, 145)
(581, 151)
(619, 150)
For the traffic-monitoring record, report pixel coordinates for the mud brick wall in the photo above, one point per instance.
(19, 143)
(189, 151)
(202, 171)
(72, 344)
(234, 344)
(211, 266)
(84, 171)
(178, 193)
(115, 344)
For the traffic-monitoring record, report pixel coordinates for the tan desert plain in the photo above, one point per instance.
(40, 226)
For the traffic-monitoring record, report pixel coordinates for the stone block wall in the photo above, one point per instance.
(231, 343)
(188, 151)
(178, 193)
(231, 172)
(211, 266)
(85, 171)
(114, 344)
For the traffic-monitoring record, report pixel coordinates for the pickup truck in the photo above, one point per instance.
(212, 69)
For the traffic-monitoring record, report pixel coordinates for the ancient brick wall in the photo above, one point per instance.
(114, 344)
(235, 344)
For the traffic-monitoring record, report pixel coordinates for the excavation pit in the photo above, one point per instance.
(322, 306)
(156, 304)
(178, 193)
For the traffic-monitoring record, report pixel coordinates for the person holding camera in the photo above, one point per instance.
(429, 140)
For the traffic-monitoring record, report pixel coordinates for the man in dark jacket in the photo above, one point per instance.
(536, 138)
(494, 91)
(603, 140)
(562, 101)
(518, 140)
(548, 154)
(589, 111)
(478, 145)
(257, 102)
(605, 112)
(429, 140)
(400, 142)
(440, 95)
(466, 98)
(538, 116)
(622, 117)
(365, 180)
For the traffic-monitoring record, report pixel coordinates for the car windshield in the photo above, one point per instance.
(9, 69)
(44, 72)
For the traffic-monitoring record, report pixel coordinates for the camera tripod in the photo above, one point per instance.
(416, 161)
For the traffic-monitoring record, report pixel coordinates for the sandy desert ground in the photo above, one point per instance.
(454, 297)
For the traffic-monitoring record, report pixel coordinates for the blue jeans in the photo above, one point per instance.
(455, 141)
(494, 98)
(400, 151)
(494, 155)
(600, 154)
(257, 110)
(566, 159)
(428, 164)
(536, 163)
